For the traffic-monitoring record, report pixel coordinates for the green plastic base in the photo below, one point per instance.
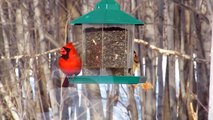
(107, 80)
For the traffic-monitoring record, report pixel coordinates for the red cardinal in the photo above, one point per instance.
(69, 62)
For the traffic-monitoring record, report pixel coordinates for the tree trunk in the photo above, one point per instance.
(46, 84)
(112, 99)
(132, 103)
(166, 109)
(171, 60)
(24, 48)
(94, 97)
(210, 114)
(202, 51)
(180, 45)
(148, 98)
(8, 82)
(160, 28)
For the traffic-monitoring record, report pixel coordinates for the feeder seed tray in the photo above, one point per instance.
(107, 80)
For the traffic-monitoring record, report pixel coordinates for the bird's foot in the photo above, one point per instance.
(72, 77)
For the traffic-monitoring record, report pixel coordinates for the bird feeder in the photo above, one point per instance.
(107, 46)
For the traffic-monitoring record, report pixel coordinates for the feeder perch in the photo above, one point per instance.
(107, 45)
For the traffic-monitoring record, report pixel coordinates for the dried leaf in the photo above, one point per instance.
(146, 86)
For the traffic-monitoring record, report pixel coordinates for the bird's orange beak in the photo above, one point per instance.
(63, 51)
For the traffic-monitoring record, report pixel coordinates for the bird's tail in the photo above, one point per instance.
(66, 82)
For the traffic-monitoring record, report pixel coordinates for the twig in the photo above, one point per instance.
(30, 56)
(162, 51)
(65, 30)
(10, 104)
(202, 105)
(199, 102)
(170, 52)
(124, 90)
(126, 108)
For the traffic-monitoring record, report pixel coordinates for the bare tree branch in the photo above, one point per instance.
(191, 9)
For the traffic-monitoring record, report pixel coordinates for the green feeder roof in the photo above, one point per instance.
(106, 12)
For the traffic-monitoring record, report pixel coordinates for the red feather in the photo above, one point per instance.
(69, 62)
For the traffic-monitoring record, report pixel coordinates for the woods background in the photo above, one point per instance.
(32, 31)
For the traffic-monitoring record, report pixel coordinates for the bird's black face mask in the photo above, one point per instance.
(66, 56)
